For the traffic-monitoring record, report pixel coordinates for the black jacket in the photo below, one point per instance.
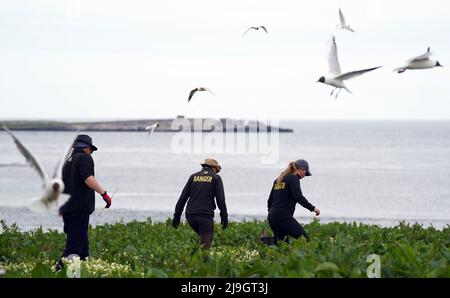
(284, 196)
(75, 171)
(200, 189)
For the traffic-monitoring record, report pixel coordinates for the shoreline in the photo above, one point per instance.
(27, 220)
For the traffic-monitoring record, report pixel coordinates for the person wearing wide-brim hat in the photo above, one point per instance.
(199, 193)
(284, 196)
(81, 185)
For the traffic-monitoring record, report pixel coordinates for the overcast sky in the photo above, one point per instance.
(72, 59)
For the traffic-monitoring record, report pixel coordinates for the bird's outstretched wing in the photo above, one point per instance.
(341, 18)
(350, 29)
(353, 74)
(192, 94)
(28, 156)
(210, 91)
(247, 31)
(422, 57)
(264, 28)
(67, 153)
(333, 61)
(151, 129)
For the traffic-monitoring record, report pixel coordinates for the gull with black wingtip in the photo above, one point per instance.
(335, 77)
(52, 186)
(193, 91)
(420, 62)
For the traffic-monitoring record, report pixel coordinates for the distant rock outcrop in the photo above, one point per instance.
(165, 125)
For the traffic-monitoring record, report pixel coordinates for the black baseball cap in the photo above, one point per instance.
(301, 163)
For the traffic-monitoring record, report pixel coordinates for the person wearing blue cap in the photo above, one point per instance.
(81, 185)
(284, 196)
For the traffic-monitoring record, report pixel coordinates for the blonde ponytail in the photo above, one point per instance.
(291, 169)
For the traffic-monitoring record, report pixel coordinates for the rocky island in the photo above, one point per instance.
(165, 125)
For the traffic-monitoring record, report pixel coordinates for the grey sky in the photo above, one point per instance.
(137, 59)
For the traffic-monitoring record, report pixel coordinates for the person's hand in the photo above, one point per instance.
(107, 199)
(224, 223)
(317, 211)
(176, 222)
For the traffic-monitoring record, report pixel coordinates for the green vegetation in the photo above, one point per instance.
(146, 249)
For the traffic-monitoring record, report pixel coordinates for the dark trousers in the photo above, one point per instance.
(76, 228)
(204, 227)
(286, 227)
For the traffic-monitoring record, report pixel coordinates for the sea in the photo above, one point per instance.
(374, 172)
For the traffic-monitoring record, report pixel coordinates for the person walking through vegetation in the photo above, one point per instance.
(80, 184)
(199, 193)
(284, 196)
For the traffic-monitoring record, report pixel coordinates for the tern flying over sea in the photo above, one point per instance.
(420, 62)
(335, 77)
(52, 187)
(151, 129)
(342, 24)
(255, 28)
(198, 89)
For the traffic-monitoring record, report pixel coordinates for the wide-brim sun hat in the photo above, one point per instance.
(212, 163)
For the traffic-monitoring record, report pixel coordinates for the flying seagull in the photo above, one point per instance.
(336, 78)
(255, 28)
(151, 129)
(198, 89)
(342, 24)
(420, 62)
(52, 187)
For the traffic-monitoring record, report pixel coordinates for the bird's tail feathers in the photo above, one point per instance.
(39, 205)
(346, 89)
(63, 198)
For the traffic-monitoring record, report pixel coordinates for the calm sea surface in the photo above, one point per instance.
(379, 172)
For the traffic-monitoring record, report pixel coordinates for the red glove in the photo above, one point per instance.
(107, 199)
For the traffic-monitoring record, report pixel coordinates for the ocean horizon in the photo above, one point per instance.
(374, 172)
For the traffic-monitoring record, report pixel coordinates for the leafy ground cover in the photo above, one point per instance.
(147, 249)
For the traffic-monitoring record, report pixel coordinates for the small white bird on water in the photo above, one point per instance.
(151, 129)
(342, 24)
(52, 187)
(420, 62)
(198, 89)
(255, 28)
(336, 78)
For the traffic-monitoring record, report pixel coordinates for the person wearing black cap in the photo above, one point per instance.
(81, 185)
(201, 189)
(285, 194)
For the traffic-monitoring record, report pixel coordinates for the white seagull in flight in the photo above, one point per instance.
(342, 24)
(151, 129)
(198, 89)
(420, 62)
(52, 187)
(336, 78)
(255, 28)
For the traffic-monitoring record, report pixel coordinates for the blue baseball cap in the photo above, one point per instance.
(303, 164)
